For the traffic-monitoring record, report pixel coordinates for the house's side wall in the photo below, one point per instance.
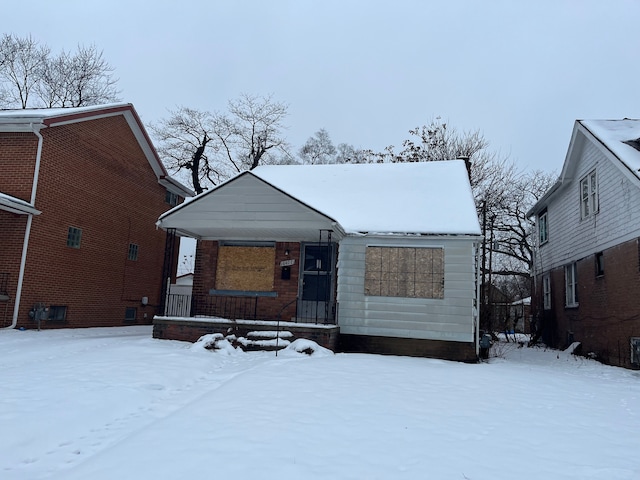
(607, 315)
(94, 176)
(17, 163)
(448, 319)
(618, 220)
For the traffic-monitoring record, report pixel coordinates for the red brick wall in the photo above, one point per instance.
(12, 228)
(17, 163)
(608, 311)
(93, 176)
(281, 307)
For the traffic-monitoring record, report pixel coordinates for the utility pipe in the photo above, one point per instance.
(27, 231)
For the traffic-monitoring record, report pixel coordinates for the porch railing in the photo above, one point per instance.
(242, 307)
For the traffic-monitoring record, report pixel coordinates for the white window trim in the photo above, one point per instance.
(543, 221)
(571, 285)
(546, 292)
(589, 195)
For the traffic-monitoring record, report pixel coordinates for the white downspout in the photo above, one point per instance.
(27, 231)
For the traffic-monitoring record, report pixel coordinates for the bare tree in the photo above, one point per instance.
(503, 193)
(253, 130)
(347, 153)
(318, 149)
(31, 77)
(212, 147)
(84, 78)
(184, 142)
(20, 69)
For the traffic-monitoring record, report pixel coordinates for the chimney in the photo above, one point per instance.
(467, 162)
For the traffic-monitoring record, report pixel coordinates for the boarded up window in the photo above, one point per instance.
(245, 268)
(404, 272)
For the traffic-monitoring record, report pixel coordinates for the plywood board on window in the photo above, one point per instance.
(245, 268)
(404, 272)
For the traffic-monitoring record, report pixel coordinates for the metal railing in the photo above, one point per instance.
(226, 306)
(241, 307)
(178, 305)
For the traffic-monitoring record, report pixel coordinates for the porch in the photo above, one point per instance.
(190, 329)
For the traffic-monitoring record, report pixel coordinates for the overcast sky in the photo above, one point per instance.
(368, 71)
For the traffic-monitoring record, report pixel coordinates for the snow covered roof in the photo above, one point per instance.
(621, 137)
(420, 197)
(292, 202)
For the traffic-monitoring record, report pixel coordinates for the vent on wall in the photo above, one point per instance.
(635, 350)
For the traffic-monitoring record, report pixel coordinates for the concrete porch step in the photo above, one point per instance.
(265, 340)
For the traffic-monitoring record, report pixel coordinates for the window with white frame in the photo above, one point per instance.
(543, 227)
(571, 285)
(546, 292)
(589, 195)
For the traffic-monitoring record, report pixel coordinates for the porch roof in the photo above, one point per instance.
(248, 208)
(17, 205)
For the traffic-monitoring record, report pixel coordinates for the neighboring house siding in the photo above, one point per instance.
(420, 318)
(618, 218)
(607, 313)
(93, 176)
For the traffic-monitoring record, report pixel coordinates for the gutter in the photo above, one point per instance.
(27, 231)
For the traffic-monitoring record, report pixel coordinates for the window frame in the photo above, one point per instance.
(571, 285)
(57, 314)
(74, 237)
(132, 254)
(599, 264)
(543, 227)
(546, 292)
(589, 195)
(171, 198)
(128, 318)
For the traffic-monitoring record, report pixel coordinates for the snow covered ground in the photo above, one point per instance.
(113, 403)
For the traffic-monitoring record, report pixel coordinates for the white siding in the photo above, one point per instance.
(451, 318)
(617, 220)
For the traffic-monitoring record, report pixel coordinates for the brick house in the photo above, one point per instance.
(382, 256)
(80, 192)
(587, 258)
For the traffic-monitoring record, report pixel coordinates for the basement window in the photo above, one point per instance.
(130, 314)
(57, 314)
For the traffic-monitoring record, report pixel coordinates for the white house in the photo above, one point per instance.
(587, 267)
(386, 253)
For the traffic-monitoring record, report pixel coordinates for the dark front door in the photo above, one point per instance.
(316, 304)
